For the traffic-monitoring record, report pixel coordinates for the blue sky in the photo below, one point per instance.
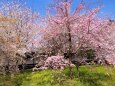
(108, 9)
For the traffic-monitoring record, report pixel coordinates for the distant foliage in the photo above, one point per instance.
(86, 52)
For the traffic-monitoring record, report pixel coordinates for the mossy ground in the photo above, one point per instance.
(87, 76)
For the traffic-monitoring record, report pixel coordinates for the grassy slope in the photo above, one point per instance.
(88, 76)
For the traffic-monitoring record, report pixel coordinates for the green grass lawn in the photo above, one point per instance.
(88, 76)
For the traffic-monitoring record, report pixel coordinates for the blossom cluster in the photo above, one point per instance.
(56, 62)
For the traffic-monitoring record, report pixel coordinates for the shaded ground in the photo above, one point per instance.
(88, 76)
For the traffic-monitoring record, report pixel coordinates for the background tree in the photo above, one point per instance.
(20, 34)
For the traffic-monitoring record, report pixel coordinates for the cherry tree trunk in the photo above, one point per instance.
(70, 49)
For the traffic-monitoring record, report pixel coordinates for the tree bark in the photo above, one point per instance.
(70, 48)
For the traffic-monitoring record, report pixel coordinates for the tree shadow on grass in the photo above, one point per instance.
(14, 80)
(87, 77)
(93, 79)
